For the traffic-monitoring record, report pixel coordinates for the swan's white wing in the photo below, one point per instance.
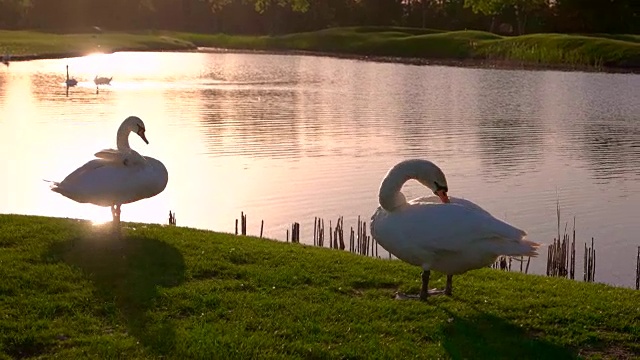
(450, 227)
(453, 200)
(105, 182)
(108, 154)
(452, 238)
(127, 157)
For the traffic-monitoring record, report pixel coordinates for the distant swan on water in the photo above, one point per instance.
(441, 233)
(118, 176)
(70, 81)
(102, 80)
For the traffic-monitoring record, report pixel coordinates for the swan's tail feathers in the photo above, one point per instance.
(520, 248)
(54, 185)
(532, 247)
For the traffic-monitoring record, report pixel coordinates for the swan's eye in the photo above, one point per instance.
(440, 187)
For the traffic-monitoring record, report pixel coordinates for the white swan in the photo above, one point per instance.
(119, 176)
(70, 82)
(102, 80)
(450, 235)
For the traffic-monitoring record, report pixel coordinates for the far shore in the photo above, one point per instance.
(471, 49)
(465, 63)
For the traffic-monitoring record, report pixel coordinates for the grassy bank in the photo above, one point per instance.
(593, 52)
(69, 292)
(597, 51)
(32, 44)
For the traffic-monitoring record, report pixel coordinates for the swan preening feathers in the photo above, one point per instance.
(442, 233)
(117, 176)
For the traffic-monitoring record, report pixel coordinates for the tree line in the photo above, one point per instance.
(287, 16)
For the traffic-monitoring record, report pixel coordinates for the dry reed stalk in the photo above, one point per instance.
(359, 238)
(315, 231)
(589, 262)
(261, 227)
(341, 233)
(295, 233)
(352, 241)
(638, 270)
(243, 224)
(572, 265)
(557, 257)
(321, 237)
(330, 235)
(562, 253)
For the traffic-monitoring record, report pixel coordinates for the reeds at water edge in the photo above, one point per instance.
(359, 242)
(561, 255)
(504, 263)
(589, 262)
(638, 270)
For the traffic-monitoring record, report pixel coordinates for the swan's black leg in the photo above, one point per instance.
(117, 207)
(115, 213)
(424, 292)
(447, 290)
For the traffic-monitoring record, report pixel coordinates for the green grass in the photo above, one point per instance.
(564, 49)
(598, 51)
(69, 291)
(21, 43)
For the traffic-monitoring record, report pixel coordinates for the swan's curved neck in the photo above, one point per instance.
(390, 196)
(123, 138)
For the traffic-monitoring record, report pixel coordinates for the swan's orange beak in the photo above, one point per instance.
(141, 133)
(443, 196)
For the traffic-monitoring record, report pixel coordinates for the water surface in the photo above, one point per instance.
(289, 138)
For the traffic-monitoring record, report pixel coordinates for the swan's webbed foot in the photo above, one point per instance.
(401, 296)
(449, 288)
(425, 292)
(422, 296)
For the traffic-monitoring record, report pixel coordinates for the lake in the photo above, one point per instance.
(289, 138)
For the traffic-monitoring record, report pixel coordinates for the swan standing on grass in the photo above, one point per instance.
(118, 176)
(70, 82)
(450, 235)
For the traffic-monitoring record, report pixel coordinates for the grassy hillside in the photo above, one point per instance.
(601, 50)
(21, 43)
(69, 291)
(597, 51)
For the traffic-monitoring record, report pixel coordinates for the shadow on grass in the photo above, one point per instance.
(486, 336)
(127, 273)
